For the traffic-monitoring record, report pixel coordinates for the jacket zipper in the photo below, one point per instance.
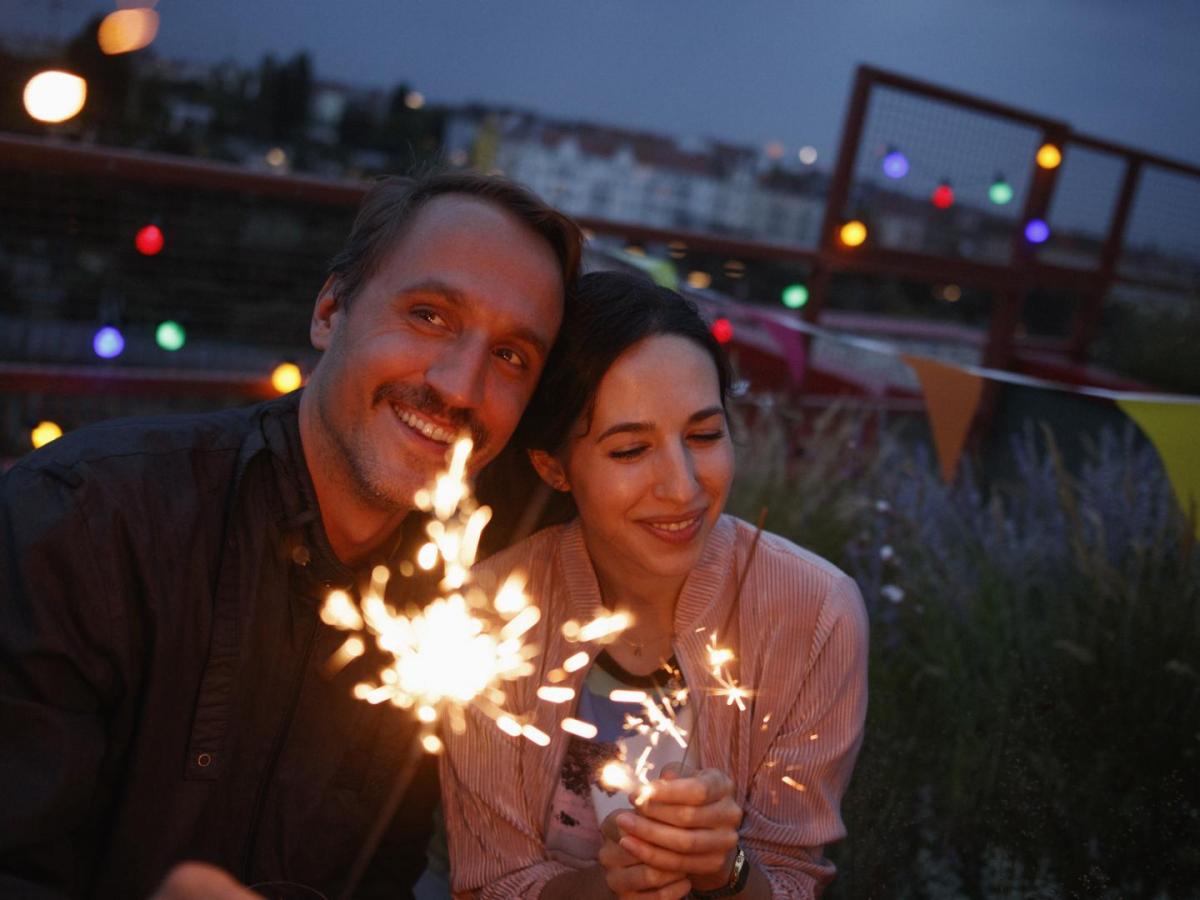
(276, 751)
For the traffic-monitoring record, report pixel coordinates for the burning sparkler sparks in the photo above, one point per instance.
(459, 649)
(718, 663)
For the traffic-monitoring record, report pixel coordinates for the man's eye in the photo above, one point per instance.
(432, 316)
(512, 357)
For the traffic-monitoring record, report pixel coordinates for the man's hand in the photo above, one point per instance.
(200, 881)
(689, 825)
(628, 877)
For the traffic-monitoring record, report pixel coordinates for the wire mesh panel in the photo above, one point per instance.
(1162, 240)
(938, 178)
(1085, 194)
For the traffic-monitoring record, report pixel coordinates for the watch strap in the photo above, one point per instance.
(738, 876)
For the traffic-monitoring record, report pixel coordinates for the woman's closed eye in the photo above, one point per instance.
(707, 437)
(628, 452)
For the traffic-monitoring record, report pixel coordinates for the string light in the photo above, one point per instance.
(1049, 156)
(853, 233)
(149, 240)
(169, 335)
(722, 330)
(45, 432)
(54, 96)
(895, 164)
(699, 280)
(943, 196)
(126, 30)
(1037, 231)
(286, 377)
(1000, 192)
(108, 342)
(807, 155)
(794, 296)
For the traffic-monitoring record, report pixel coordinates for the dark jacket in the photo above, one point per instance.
(163, 694)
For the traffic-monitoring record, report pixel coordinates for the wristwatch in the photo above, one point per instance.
(738, 876)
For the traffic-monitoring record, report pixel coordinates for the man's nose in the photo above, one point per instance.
(459, 375)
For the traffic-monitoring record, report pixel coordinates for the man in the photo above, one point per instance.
(162, 687)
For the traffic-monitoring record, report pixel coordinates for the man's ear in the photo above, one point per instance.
(550, 470)
(327, 314)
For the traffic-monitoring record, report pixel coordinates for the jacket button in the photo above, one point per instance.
(203, 760)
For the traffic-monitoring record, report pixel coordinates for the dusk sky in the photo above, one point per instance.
(750, 71)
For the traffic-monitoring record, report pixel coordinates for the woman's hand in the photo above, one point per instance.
(689, 825)
(627, 876)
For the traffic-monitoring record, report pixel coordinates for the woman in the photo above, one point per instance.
(630, 421)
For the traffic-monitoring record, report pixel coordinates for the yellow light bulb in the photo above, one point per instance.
(1049, 156)
(54, 96)
(286, 378)
(853, 233)
(44, 433)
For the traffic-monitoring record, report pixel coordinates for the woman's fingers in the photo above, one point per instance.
(704, 787)
(724, 813)
(646, 881)
(658, 857)
(688, 841)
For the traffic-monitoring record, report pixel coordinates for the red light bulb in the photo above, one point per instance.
(943, 196)
(722, 330)
(149, 240)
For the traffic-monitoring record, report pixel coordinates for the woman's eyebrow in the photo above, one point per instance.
(638, 427)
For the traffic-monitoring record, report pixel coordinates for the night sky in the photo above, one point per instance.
(750, 71)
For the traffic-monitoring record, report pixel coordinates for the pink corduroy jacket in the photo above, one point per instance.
(801, 644)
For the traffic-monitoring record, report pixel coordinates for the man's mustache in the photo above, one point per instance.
(426, 400)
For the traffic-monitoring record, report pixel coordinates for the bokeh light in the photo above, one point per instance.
(943, 196)
(699, 280)
(170, 335)
(149, 240)
(853, 233)
(1000, 192)
(807, 155)
(286, 377)
(126, 30)
(108, 342)
(276, 158)
(1049, 156)
(794, 296)
(895, 164)
(44, 432)
(722, 330)
(775, 150)
(414, 100)
(54, 96)
(1037, 231)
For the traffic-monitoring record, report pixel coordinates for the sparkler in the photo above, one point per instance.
(459, 650)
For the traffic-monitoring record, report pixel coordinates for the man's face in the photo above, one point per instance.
(449, 336)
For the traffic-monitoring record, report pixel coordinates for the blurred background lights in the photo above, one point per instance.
(1049, 156)
(108, 342)
(126, 30)
(853, 233)
(1000, 192)
(952, 293)
(807, 155)
(699, 280)
(170, 335)
(895, 164)
(722, 330)
(414, 99)
(43, 433)
(286, 377)
(276, 158)
(775, 150)
(794, 296)
(54, 96)
(149, 240)
(1037, 231)
(943, 196)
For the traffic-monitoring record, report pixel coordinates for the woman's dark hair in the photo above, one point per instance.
(611, 312)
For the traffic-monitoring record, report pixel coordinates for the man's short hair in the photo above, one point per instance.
(391, 204)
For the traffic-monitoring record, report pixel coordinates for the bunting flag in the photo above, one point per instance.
(952, 396)
(1174, 430)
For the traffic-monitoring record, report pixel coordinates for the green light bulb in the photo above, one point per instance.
(170, 335)
(794, 296)
(1000, 192)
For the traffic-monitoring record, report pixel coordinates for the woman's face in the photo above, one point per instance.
(652, 473)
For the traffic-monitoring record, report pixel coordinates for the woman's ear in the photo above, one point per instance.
(549, 469)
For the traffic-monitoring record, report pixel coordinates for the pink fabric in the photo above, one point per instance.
(802, 647)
